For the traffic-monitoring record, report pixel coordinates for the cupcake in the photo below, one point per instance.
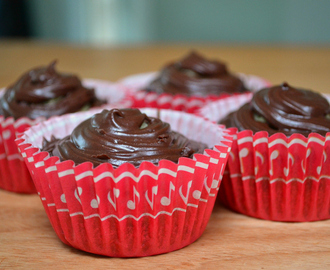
(43, 92)
(189, 83)
(279, 163)
(124, 184)
(38, 94)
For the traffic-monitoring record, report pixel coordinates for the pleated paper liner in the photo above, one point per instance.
(141, 98)
(129, 211)
(251, 186)
(217, 110)
(278, 178)
(114, 94)
(14, 175)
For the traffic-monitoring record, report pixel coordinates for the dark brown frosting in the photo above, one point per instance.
(45, 92)
(123, 135)
(283, 109)
(196, 76)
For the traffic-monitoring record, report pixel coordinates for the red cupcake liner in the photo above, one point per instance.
(141, 98)
(128, 211)
(278, 178)
(274, 178)
(14, 175)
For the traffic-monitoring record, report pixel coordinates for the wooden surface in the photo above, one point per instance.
(231, 241)
(306, 67)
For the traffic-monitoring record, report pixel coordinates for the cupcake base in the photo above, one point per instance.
(145, 236)
(14, 176)
(278, 178)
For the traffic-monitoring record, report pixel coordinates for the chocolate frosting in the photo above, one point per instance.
(45, 92)
(283, 109)
(196, 76)
(123, 135)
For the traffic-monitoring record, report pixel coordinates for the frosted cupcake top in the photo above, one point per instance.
(122, 135)
(285, 109)
(196, 76)
(43, 91)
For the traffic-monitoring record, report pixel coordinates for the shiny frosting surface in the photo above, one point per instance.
(45, 92)
(196, 76)
(283, 109)
(123, 135)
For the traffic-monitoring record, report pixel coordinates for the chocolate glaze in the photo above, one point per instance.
(45, 92)
(196, 76)
(122, 135)
(283, 109)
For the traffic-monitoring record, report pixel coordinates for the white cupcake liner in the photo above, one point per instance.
(114, 94)
(217, 110)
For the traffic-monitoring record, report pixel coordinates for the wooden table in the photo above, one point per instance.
(231, 241)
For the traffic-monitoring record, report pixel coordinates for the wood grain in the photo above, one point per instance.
(231, 240)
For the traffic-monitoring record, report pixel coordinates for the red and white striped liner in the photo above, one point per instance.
(141, 98)
(275, 178)
(14, 175)
(128, 211)
(278, 178)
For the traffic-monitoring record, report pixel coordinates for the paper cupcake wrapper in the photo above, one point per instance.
(278, 178)
(141, 98)
(251, 186)
(217, 110)
(114, 94)
(128, 211)
(14, 175)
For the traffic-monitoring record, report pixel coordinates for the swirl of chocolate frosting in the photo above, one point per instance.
(196, 76)
(283, 109)
(45, 92)
(123, 135)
